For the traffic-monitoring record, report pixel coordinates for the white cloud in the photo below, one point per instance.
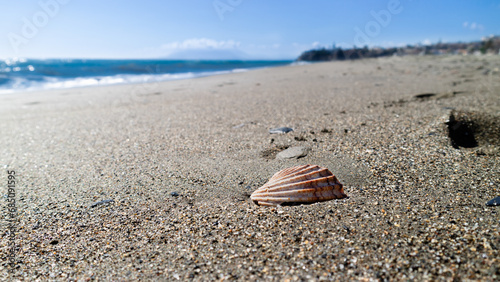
(201, 43)
(426, 42)
(473, 26)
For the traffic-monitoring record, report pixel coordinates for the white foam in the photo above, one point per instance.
(300, 63)
(20, 84)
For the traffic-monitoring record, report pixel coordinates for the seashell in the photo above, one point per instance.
(297, 185)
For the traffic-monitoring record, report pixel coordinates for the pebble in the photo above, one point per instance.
(174, 194)
(494, 202)
(424, 95)
(293, 152)
(102, 203)
(280, 130)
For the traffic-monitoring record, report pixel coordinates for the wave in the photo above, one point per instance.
(21, 84)
(21, 75)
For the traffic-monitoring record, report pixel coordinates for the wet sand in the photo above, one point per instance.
(179, 160)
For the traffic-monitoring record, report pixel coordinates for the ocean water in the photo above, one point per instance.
(18, 75)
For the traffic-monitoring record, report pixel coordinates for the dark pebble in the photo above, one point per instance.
(347, 229)
(54, 242)
(249, 187)
(174, 194)
(102, 203)
(280, 130)
(424, 95)
(494, 202)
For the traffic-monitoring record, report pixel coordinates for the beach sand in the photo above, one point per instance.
(179, 160)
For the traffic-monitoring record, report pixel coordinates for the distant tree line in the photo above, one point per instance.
(489, 45)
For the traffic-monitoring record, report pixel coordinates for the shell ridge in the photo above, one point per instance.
(321, 182)
(328, 180)
(289, 173)
(312, 191)
(295, 177)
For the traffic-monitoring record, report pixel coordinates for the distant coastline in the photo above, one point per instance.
(489, 45)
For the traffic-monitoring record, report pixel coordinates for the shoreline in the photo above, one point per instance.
(152, 181)
(96, 73)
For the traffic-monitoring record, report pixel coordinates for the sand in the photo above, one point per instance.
(179, 160)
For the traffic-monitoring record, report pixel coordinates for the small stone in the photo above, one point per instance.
(494, 202)
(54, 242)
(280, 130)
(293, 152)
(102, 203)
(271, 152)
(174, 194)
(424, 95)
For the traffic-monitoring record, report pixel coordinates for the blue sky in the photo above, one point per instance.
(265, 29)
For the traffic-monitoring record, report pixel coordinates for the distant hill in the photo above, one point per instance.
(489, 45)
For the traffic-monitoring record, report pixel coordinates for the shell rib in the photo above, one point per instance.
(304, 184)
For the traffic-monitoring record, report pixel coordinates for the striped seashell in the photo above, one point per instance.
(297, 185)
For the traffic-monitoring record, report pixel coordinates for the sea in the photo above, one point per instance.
(21, 75)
